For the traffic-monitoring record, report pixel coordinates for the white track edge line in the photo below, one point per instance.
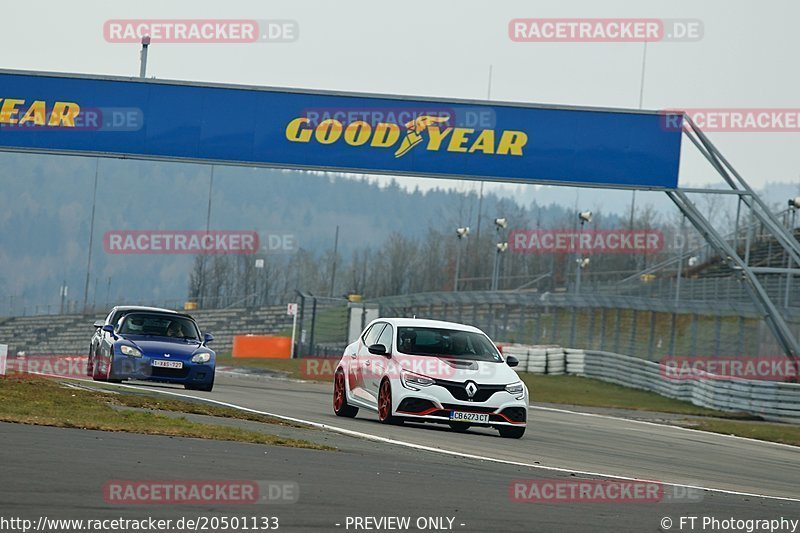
(237, 375)
(657, 424)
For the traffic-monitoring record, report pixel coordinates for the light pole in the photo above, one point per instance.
(794, 205)
(462, 234)
(259, 264)
(581, 262)
(202, 289)
(680, 260)
(91, 236)
(63, 294)
(499, 224)
(501, 247)
(143, 56)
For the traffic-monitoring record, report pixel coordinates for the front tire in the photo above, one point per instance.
(96, 375)
(511, 432)
(385, 405)
(340, 405)
(109, 374)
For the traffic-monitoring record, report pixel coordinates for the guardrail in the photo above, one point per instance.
(771, 400)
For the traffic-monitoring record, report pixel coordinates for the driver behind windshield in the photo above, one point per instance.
(460, 345)
(175, 330)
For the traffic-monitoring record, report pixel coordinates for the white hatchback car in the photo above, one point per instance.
(431, 371)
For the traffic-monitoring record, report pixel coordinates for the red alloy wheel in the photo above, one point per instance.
(385, 401)
(338, 392)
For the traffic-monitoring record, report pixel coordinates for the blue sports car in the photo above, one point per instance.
(156, 346)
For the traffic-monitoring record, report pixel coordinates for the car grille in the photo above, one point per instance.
(470, 408)
(459, 391)
(161, 372)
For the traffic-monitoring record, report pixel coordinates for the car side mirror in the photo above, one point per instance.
(207, 337)
(108, 328)
(378, 349)
(512, 361)
(98, 324)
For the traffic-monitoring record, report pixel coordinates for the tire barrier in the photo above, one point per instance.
(772, 400)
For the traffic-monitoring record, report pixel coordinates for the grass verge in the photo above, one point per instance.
(34, 400)
(783, 433)
(579, 390)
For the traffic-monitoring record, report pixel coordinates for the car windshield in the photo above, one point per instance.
(159, 325)
(450, 343)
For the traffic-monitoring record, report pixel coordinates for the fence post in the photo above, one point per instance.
(673, 333)
(652, 335)
(742, 342)
(300, 335)
(632, 343)
(602, 329)
(554, 334)
(572, 327)
(505, 320)
(313, 324)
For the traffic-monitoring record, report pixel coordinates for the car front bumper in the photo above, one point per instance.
(435, 404)
(141, 368)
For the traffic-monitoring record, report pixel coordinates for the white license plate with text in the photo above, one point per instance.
(167, 364)
(478, 418)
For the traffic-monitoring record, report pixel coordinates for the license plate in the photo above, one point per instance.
(478, 418)
(167, 364)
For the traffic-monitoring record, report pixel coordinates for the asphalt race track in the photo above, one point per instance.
(406, 477)
(558, 439)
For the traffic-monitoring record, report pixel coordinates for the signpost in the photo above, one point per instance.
(291, 310)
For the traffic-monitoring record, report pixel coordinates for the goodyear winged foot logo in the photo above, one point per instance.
(439, 136)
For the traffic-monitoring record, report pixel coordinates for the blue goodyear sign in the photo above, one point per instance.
(271, 127)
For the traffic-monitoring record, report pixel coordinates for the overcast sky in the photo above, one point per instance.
(747, 57)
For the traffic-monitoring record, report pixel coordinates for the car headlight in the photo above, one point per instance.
(412, 380)
(130, 350)
(204, 357)
(515, 388)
